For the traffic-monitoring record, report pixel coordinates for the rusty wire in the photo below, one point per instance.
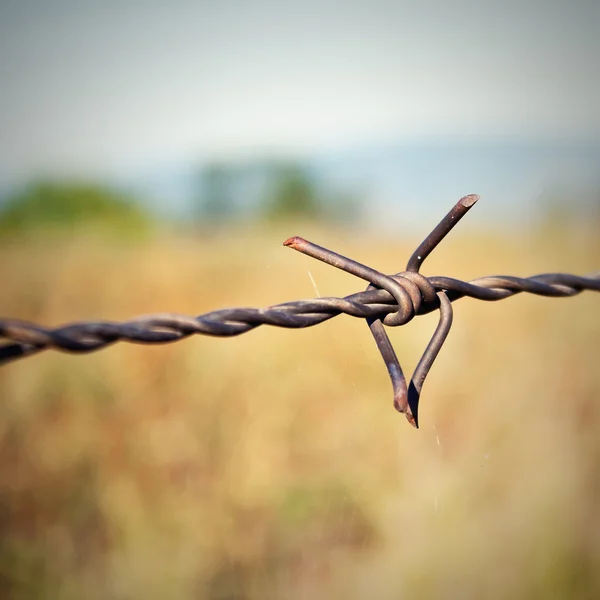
(390, 300)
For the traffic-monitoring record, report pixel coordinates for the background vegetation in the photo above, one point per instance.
(59, 205)
(273, 465)
(287, 190)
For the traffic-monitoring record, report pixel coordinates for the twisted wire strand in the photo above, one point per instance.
(390, 300)
(27, 338)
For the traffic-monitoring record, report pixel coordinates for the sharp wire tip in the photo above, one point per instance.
(411, 419)
(469, 200)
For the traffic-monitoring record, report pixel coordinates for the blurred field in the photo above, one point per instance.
(273, 465)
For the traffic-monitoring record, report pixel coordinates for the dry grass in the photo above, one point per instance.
(273, 465)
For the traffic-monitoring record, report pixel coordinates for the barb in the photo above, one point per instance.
(390, 300)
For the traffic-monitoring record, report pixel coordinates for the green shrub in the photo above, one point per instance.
(60, 205)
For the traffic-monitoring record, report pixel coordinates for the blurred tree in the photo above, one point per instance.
(272, 190)
(292, 194)
(344, 208)
(52, 205)
(215, 194)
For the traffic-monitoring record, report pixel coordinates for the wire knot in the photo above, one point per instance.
(414, 294)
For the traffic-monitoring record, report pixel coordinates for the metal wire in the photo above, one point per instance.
(390, 300)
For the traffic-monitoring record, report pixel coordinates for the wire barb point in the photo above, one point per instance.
(468, 201)
(293, 242)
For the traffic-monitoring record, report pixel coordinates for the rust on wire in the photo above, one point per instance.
(390, 300)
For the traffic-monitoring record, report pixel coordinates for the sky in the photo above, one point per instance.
(94, 85)
(109, 88)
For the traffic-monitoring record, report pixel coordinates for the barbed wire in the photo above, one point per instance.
(390, 300)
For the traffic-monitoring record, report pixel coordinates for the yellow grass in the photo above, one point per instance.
(273, 465)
